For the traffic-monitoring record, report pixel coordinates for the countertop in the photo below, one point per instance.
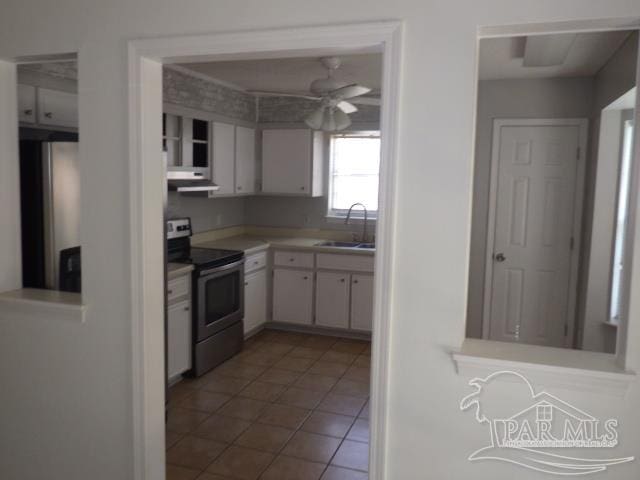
(252, 244)
(175, 270)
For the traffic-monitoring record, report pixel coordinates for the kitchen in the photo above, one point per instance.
(270, 224)
(271, 246)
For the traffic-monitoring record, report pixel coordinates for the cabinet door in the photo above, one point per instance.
(286, 161)
(332, 299)
(255, 300)
(223, 158)
(179, 338)
(361, 302)
(293, 296)
(27, 103)
(57, 108)
(245, 160)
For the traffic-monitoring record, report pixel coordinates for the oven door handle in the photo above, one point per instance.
(221, 269)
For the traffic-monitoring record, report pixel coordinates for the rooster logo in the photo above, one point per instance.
(542, 424)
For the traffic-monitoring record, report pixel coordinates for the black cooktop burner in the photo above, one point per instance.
(202, 258)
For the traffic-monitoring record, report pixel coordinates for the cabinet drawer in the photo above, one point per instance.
(293, 259)
(255, 262)
(354, 263)
(178, 287)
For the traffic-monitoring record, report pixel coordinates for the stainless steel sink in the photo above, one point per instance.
(332, 243)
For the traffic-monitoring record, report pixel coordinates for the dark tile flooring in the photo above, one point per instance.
(290, 406)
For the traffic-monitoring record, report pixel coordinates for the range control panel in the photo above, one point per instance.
(178, 227)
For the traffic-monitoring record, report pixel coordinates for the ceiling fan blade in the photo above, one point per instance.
(350, 91)
(347, 107)
(366, 101)
(261, 93)
(316, 119)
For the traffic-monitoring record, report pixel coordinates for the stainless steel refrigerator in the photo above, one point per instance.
(50, 203)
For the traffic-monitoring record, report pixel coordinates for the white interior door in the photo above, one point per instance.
(534, 187)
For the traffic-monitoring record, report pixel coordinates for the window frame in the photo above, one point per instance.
(340, 214)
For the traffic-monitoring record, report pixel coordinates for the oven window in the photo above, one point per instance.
(222, 297)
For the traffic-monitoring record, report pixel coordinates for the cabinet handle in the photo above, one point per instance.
(342, 280)
(186, 309)
(355, 281)
(169, 292)
(256, 262)
(48, 114)
(28, 112)
(292, 259)
(239, 187)
(305, 278)
(301, 188)
(246, 284)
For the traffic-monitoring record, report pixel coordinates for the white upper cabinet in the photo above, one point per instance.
(27, 103)
(223, 172)
(245, 160)
(293, 296)
(292, 162)
(332, 299)
(361, 302)
(57, 108)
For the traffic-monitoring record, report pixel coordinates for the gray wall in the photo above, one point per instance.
(543, 98)
(207, 214)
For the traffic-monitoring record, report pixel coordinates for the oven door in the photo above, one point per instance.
(220, 298)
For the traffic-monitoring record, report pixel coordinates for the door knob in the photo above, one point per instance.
(499, 257)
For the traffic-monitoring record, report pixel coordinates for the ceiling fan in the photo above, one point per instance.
(332, 113)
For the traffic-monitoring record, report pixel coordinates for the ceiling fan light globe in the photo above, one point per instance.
(341, 119)
(316, 119)
(329, 121)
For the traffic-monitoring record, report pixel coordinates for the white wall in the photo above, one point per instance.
(539, 98)
(615, 79)
(66, 395)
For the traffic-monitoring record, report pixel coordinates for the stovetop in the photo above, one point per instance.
(202, 258)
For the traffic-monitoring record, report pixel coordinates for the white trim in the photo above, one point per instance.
(148, 427)
(582, 125)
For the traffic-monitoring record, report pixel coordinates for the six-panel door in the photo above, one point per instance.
(293, 296)
(332, 299)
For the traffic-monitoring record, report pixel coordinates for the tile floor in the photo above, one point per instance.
(290, 406)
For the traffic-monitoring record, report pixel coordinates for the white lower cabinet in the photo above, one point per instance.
(361, 302)
(293, 296)
(255, 300)
(179, 338)
(332, 299)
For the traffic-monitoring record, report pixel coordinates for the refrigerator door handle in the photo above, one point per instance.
(49, 221)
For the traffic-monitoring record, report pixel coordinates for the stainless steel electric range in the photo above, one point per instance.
(217, 296)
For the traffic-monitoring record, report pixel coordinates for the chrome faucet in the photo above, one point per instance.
(364, 230)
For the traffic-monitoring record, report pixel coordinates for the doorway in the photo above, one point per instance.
(534, 222)
(146, 59)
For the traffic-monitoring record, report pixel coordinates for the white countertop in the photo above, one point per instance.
(175, 270)
(252, 244)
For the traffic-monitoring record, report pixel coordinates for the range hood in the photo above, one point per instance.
(189, 181)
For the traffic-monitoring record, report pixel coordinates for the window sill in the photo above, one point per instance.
(49, 304)
(610, 324)
(558, 367)
(352, 220)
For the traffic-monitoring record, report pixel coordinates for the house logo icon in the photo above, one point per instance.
(545, 435)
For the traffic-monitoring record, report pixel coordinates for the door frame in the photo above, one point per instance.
(146, 186)
(583, 129)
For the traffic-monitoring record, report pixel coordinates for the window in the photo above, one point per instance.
(353, 173)
(622, 216)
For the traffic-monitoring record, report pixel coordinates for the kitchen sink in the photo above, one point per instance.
(332, 243)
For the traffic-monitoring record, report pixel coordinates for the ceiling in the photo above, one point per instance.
(502, 58)
(291, 75)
